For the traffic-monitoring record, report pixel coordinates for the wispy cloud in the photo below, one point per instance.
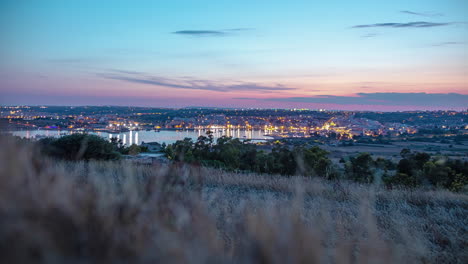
(79, 61)
(210, 33)
(70, 60)
(421, 13)
(370, 35)
(417, 24)
(448, 43)
(125, 71)
(246, 98)
(397, 99)
(201, 33)
(191, 83)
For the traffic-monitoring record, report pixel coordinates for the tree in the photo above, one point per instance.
(359, 168)
(182, 150)
(316, 161)
(283, 161)
(228, 151)
(80, 147)
(405, 153)
(420, 158)
(118, 144)
(405, 166)
(134, 150)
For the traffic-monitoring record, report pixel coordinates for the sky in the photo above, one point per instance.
(345, 55)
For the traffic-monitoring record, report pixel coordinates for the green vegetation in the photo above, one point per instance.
(133, 149)
(360, 168)
(87, 147)
(79, 147)
(236, 155)
(418, 168)
(413, 170)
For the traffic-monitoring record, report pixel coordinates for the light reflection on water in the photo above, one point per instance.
(164, 136)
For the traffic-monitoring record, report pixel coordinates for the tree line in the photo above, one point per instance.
(414, 169)
(239, 155)
(87, 147)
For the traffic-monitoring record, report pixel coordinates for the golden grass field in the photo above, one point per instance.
(120, 212)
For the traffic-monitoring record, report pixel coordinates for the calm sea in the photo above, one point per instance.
(164, 136)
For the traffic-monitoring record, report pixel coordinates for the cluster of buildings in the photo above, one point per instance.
(344, 127)
(337, 125)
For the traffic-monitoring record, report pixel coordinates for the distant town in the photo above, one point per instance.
(277, 123)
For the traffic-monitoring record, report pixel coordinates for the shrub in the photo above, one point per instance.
(402, 180)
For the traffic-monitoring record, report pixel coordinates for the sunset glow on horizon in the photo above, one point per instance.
(349, 55)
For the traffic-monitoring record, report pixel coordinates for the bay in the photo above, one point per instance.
(163, 136)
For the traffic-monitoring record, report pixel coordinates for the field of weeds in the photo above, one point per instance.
(118, 212)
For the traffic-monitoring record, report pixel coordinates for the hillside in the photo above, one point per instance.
(118, 212)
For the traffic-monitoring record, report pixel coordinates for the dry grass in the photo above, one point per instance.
(107, 212)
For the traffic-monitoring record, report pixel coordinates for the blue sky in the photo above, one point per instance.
(210, 52)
